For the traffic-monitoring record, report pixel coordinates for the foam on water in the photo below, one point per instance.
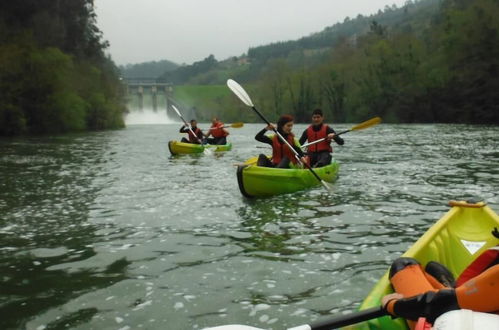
(148, 116)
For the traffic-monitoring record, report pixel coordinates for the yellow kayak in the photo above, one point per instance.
(455, 240)
(180, 148)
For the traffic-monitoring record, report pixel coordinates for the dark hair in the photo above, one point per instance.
(317, 112)
(193, 120)
(283, 120)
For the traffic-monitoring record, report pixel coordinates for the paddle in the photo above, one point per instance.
(234, 125)
(334, 323)
(205, 150)
(243, 96)
(363, 125)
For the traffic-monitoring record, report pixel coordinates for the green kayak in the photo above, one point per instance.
(180, 148)
(455, 240)
(257, 181)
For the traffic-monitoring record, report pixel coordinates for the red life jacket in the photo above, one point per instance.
(194, 138)
(314, 136)
(217, 130)
(281, 149)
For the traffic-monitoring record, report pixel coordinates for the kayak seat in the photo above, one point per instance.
(441, 274)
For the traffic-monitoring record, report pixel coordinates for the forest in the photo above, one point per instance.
(428, 62)
(54, 74)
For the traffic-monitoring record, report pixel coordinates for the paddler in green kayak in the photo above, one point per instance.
(195, 139)
(320, 153)
(218, 132)
(282, 156)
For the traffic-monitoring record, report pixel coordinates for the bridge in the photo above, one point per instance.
(157, 88)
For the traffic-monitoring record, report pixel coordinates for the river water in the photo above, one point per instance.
(107, 231)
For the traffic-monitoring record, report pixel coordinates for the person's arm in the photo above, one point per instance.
(304, 137)
(298, 149)
(430, 305)
(184, 129)
(332, 135)
(261, 137)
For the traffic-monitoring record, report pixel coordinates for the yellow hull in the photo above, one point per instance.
(180, 148)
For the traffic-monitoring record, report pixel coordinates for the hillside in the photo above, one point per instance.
(149, 70)
(430, 61)
(306, 51)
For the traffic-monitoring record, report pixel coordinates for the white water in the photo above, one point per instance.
(148, 116)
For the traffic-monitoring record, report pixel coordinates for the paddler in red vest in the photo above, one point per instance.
(320, 153)
(218, 132)
(282, 156)
(192, 138)
(432, 291)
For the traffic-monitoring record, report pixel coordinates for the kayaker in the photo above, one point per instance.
(320, 153)
(217, 131)
(192, 138)
(430, 293)
(282, 156)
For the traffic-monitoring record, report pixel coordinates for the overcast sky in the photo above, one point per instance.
(185, 31)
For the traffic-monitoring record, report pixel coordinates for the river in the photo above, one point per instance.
(106, 230)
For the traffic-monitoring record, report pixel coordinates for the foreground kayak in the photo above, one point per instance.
(258, 181)
(455, 240)
(180, 148)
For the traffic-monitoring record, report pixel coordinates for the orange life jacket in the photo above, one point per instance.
(194, 138)
(281, 149)
(314, 136)
(217, 130)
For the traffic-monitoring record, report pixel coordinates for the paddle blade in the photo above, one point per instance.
(237, 125)
(207, 151)
(240, 92)
(327, 185)
(176, 110)
(367, 123)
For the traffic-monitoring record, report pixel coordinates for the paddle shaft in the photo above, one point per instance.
(348, 319)
(287, 143)
(320, 140)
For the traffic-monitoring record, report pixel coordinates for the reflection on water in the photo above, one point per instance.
(107, 230)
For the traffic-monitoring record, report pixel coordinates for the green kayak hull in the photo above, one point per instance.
(455, 240)
(181, 148)
(257, 181)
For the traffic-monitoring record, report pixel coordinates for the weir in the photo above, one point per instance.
(147, 92)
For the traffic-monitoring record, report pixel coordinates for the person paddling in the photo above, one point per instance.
(192, 138)
(432, 291)
(282, 156)
(218, 132)
(320, 153)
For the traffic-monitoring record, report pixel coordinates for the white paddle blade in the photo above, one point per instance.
(240, 92)
(327, 185)
(176, 110)
(233, 327)
(207, 151)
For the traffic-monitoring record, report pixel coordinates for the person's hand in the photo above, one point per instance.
(304, 160)
(388, 297)
(270, 127)
(331, 136)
